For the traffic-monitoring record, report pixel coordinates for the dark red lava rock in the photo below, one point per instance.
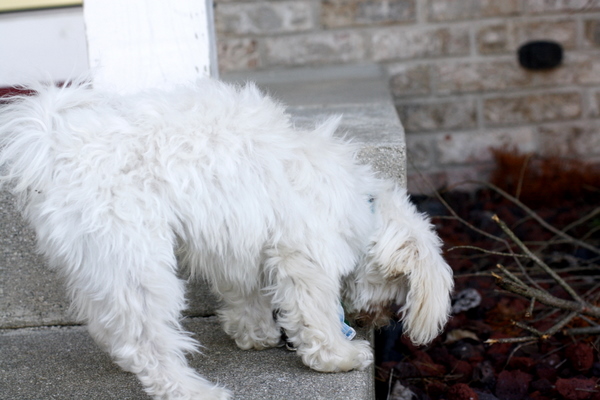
(441, 355)
(461, 391)
(484, 373)
(465, 350)
(426, 365)
(560, 367)
(523, 363)
(576, 389)
(547, 367)
(462, 370)
(499, 348)
(547, 373)
(580, 355)
(542, 386)
(512, 385)
(436, 389)
(539, 396)
(404, 370)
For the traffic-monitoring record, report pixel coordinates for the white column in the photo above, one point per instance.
(139, 44)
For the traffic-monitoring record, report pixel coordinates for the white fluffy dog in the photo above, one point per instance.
(118, 187)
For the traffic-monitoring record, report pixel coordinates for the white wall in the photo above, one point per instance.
(42, 44)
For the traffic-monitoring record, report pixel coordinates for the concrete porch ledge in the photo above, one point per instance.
(360, 93)
(64, 363)
(46, 355)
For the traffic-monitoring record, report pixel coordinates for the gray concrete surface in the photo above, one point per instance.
(359, 93)
(64, 363)
(44, 355)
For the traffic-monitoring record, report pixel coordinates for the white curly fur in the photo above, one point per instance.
(273, 217)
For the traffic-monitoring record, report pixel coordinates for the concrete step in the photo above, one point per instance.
(45, 350)
(64, 363)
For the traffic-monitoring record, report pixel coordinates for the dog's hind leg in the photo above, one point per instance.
(307, 297)
(248, 318)
(124, 286)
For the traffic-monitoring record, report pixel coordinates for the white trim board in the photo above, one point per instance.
(46, 44)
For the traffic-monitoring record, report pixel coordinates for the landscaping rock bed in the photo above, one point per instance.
(462, 363)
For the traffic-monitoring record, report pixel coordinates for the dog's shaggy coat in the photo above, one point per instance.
(118, 188)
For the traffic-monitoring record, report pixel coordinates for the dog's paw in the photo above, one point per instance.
(246, 341)
(215, 393)
(341, 357)
(201, 391)
(251, 330)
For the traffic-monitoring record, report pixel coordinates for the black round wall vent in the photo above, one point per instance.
(540, 55)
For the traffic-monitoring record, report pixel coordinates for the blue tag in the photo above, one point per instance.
(372, 203)
(347, 330)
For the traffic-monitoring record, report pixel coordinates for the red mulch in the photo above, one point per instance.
(459, 364)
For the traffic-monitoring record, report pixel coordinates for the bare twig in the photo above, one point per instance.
(546, 298)
(494, 253)
(529, 312)
(528, 328)
(560, 324)
(537, 260)
(514, 351)
(570, 226)
(510, 274)
(588, 330)
(522, 175)
(539, 219)
(512, 340)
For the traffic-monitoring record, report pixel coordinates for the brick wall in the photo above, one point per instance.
(457, 85)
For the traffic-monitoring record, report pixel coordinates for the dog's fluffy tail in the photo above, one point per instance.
(407, 247)
(28, 123)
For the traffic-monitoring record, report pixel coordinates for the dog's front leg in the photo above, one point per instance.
(307, 296)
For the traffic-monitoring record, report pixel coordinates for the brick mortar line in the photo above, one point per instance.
(435, 135)
(480, 58)
(474, 23)
(421, 16)
(486, 95)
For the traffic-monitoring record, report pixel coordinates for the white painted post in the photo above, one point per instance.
(139, 44)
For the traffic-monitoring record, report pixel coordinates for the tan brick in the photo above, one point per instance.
(460, 177)
(561, 31)
(474, 147)
(237, 54)
(465, 178)
(486, 75)
(420, 151)
(409, 80)
(346, 13)
(264, 17)
(540, 107)
(449, 10)
(493, 39)
(437, 115)
(576, 140)
(586, 68)
(548, 6)
(404, 43)
(425, 182)
(595, 106)
(501, 74)
(315, 48)
(592, 32)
